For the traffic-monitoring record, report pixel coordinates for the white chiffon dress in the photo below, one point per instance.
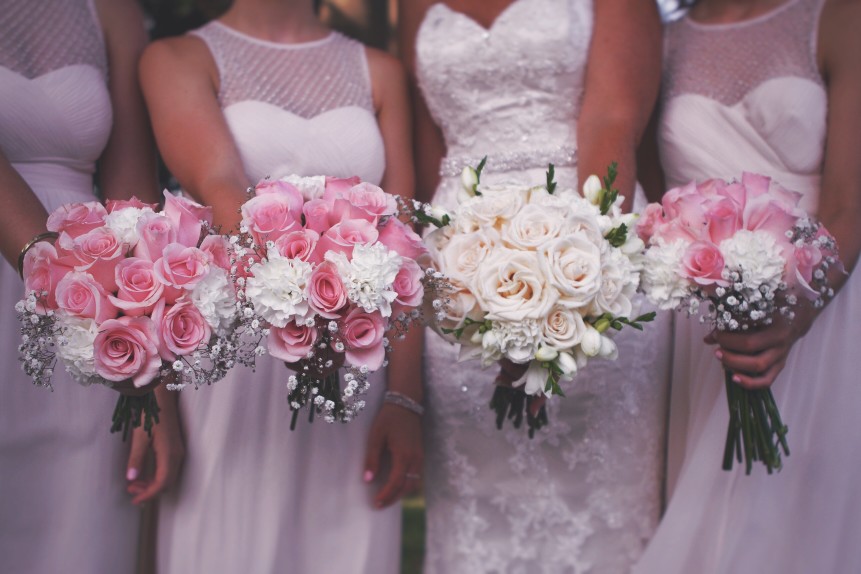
(584, 495)
(749, 96)
(63, 506)
(255, 496)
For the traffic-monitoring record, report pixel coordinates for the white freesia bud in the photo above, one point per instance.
(567, 363)
(545, 354)
(469, 179)
(476, 338)
(608, 349)
(438, 212)
(591, 342)
(629, 219)
(592, 188)
(633, 245)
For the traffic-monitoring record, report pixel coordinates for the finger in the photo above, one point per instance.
(161, 480)
(710, 339)
(750, 364)
(762, 381)
(750, 342)
(413, 480)
(536, 404)
(392, 490)
(373, 454)
(137, 454)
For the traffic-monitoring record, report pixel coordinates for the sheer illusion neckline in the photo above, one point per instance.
(487, 29)
(764, 17)
(279, 45)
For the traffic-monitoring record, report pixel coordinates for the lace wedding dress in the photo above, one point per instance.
(255, 496)
(750, 96)
(63, 506)
(584, 494)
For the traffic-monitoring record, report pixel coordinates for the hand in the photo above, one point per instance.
(128, 388)
(399, 432)
(757, 357)
(168, 449)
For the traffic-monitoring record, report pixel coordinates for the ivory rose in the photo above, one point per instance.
(572, 266)
(512, 286)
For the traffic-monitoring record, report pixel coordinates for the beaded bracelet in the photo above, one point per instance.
(41, 237)
(404, 401)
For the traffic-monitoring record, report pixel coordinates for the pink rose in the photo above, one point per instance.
(96, 252)
(318, 214)
(292, 342)
(117, 204)
(138, 288)
(703, 264)
(723, 218)
(218, 249)
(365, 201)
(277, 186)
(180, 268)
(156, 232)
(298, 244)
(80, 295)
(343, 236)
(755, 185)
(272, 215)
(187, 217)
(686, 208)
(804, 259)
(326, 293)
(181, 329)
(401, 239)
(337, 186)
(650, 222)
(42, 272)
(773, 217)
(77, 218)
(362, 335)
(126, 348)
(408, 284)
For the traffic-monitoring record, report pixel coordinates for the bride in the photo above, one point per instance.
(570, 82)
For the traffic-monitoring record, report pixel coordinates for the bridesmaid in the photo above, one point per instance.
(267, 90)
(69, 100)
(774, 87)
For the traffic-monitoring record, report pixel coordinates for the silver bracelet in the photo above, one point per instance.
(404, 401)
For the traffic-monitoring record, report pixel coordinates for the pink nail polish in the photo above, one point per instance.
(719, 355)
(131, 474)
(736, 379)
(368, 476)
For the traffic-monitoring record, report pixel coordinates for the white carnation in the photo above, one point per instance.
(214, 297)
(757, 255)
(123, 222)
(517, 341)
(277, 290)
(619, 282)
(368, 278)
(310, 187)
(662, 278)
(75, 346)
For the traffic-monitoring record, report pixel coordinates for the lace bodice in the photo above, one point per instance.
(302, 108)
(757, 84)
(513, 91)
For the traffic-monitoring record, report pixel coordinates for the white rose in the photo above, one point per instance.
(562, 329)
(75, 346)
(123, 222)
(510, 285)
(494, 207)
(215, 298)
(533, 227)
(310, 187)
(619, 282)
(662, 278)
(757, 254)
(460, 257)
(277, 290)
(572, 266)
(461, 305)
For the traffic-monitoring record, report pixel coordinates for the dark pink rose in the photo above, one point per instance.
(318, 215)
(341, 237)
(326, 293)
(298, 244)
(126, 348)
(188, 218)
(156, 232)
(292, 342)
(362, 335)
(650, 222)
(138, 289)
(218, 249)
(42, 272)
(96, 252)
(181, 329)
(80, 295)
(180, 268)
(337, 186)
(724, 218)
(408, 284)
(401, 239)
(113, 205)
(76, 219)
(703, 263)
(272, 215)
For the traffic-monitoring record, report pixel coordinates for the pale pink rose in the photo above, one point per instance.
(42, 272)
(401, 239)
(337, 186)
(318, 214)
(650, 221)
(804, 259)
(343, 236)
(272, 215)
(279, 187)
(138, 289)
(96, 252)
(686, 208)
(218, 249)
(126, 348)
(80, 295)
(292, 342)
(113, 205)
(362, 335)
(298, 244)
(724, 218)
(773, 217)
(76, 219)
(188, 217)
(181, 329)
(326, 293)
(364, 201)
(156, 232)
(703, 264)
(736, 192)
(408, 284)
(755, 185)
(180, 268)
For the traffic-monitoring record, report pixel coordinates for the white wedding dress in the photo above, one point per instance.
(584, 495)
(749, 96)
(63, 505)
(255, 496)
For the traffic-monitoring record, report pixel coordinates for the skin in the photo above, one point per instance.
(180, 83)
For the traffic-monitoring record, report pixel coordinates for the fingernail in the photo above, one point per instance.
(719, 355)
(368, 476)
(131, 474)
(736, 379)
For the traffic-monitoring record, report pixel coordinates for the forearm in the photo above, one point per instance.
(603, 141)
(23, 222)
(405, 365)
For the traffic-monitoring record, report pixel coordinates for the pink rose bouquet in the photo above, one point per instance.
(739, 252)
(325, 272)
(130, 294)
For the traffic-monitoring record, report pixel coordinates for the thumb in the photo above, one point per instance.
(373, 455)
(137, 453)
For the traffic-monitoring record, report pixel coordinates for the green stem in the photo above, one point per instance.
(129, 411)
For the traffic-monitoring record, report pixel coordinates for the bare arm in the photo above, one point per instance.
(25, 221)
(622, 80)
(649, 170)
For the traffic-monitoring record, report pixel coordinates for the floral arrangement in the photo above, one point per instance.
(539, 275)
(737, 253)
(129, 294)
(327, 273)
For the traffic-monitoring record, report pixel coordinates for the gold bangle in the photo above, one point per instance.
(41, 237)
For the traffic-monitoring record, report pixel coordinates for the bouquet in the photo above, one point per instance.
(129, 294)
(538, 276)
(325, 273)
(738, 252)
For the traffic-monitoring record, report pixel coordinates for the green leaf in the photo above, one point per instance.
(551, 177)
(617, 236)
(608, 197)
(479, 168)
(425, 218)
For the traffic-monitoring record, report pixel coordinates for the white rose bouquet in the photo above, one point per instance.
(538, 277)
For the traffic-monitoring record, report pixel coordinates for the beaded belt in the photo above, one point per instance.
(563, 156)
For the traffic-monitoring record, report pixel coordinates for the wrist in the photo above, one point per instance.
(403, 401)
(46, 236)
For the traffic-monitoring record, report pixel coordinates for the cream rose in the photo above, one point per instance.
(510, 285)
(562, 329)
(533, 227)
(572, 266)
(460, 257)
